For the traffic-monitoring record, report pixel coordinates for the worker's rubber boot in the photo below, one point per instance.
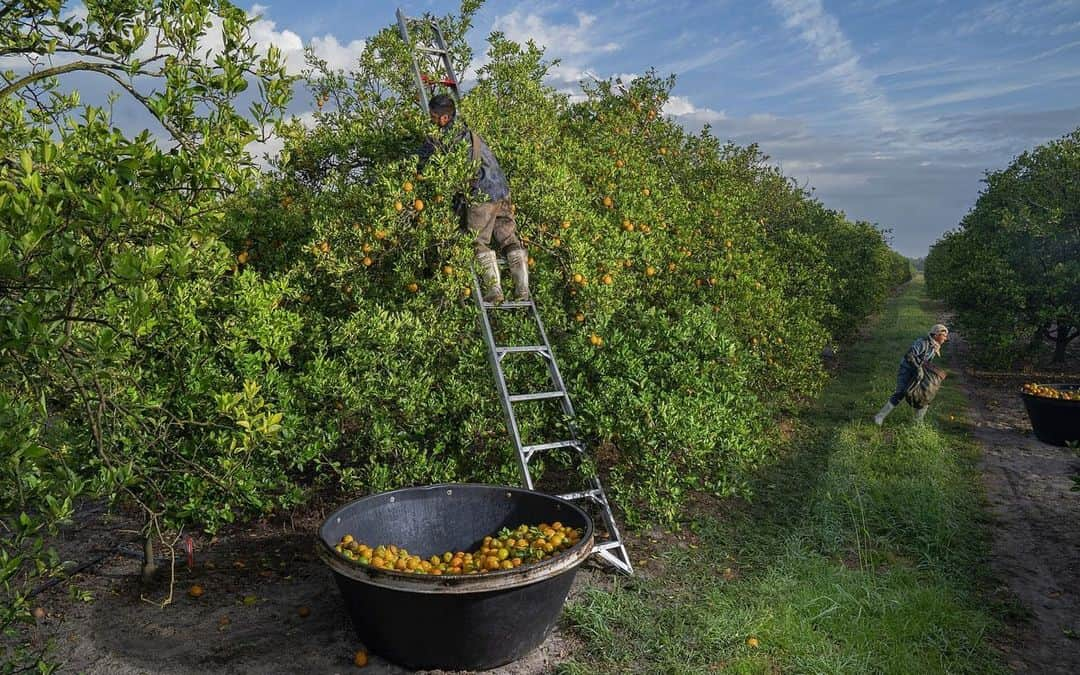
(489, 270)
(879, 418)
(920, 414)
(518, 262)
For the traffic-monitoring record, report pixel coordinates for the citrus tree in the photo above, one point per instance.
(1012, 268)
(136, 361)
(685, 310)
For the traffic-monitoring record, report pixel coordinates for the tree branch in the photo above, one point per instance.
(108, 71)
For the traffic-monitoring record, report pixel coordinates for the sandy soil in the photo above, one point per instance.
(1034, 518)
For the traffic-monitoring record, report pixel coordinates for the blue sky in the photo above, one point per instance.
(891, 110)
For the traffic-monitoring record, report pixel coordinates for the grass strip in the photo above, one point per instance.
(861, 553)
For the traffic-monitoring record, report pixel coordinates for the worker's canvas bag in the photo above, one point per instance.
(925, 386)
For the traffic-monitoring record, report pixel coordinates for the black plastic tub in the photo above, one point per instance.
(452, 622)
(1055, 421)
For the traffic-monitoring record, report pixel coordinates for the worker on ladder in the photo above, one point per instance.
(486, 211)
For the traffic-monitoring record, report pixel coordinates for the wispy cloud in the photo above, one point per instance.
(822, 32)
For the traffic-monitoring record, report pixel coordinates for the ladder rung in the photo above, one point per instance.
(584, 494)
(607, 545)
(539, 447)
(524, 349)
(431, 50)
(539, 396)
(510, 304)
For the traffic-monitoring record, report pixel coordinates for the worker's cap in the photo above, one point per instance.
(939, 328)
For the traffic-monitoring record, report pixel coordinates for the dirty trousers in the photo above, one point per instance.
(493, 220)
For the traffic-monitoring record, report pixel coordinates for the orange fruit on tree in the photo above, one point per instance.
(418, 204)
(607, 279)
(752, 642)
(407, 187)
(447, 270)
(578, 278)
(380, 234)
(619, 163)
(646, 191)
(608, 202)
(367, 261)
(565, 225)
(412, 287)
(398, 206)
(650, 271)
(595, 340)
(579, 317)
(242, 258)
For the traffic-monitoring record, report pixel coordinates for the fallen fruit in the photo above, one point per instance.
(39, 613)
(752, 642)
(304, 612)
(360, 659)
(195, 591)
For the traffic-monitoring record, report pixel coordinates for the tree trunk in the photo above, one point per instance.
(1065, 334)
(149, 566)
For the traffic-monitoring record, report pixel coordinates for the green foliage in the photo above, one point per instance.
(686, 310)
(131, 356)
(1012, 269)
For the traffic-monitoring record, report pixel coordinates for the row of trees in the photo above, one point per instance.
(203, 342)
(1012, 268)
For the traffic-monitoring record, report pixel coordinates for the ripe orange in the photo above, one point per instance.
(565, 225)
(619, 163)
(663, 150)
(360, 659)
(646, 191)
(304, 612)
(367, 261)
(752, 642)
(419, 205)
(579, 317)
(447, 270)
(380, 234)
(650, 271)
(532, 261)
(407, 187)
(608, 202)
(398, 206)
(595, 340)
(578, 278)
(607, 279)
(196, 591)
(242, 258)
(412, 287)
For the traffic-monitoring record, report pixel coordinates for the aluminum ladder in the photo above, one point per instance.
(609, 544)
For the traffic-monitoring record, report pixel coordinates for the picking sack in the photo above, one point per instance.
(925, 386)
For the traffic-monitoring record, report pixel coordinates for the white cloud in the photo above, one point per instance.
(681, 107)
(264, 33)
(567, 39)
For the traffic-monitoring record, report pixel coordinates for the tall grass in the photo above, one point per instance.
(860, 553)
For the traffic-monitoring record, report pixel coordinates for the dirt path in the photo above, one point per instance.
(1035, 521)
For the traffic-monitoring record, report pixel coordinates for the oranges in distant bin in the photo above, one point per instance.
(1050, 392)
(507, 549)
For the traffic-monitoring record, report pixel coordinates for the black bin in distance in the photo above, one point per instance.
(452, 622)
(1055, 421)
